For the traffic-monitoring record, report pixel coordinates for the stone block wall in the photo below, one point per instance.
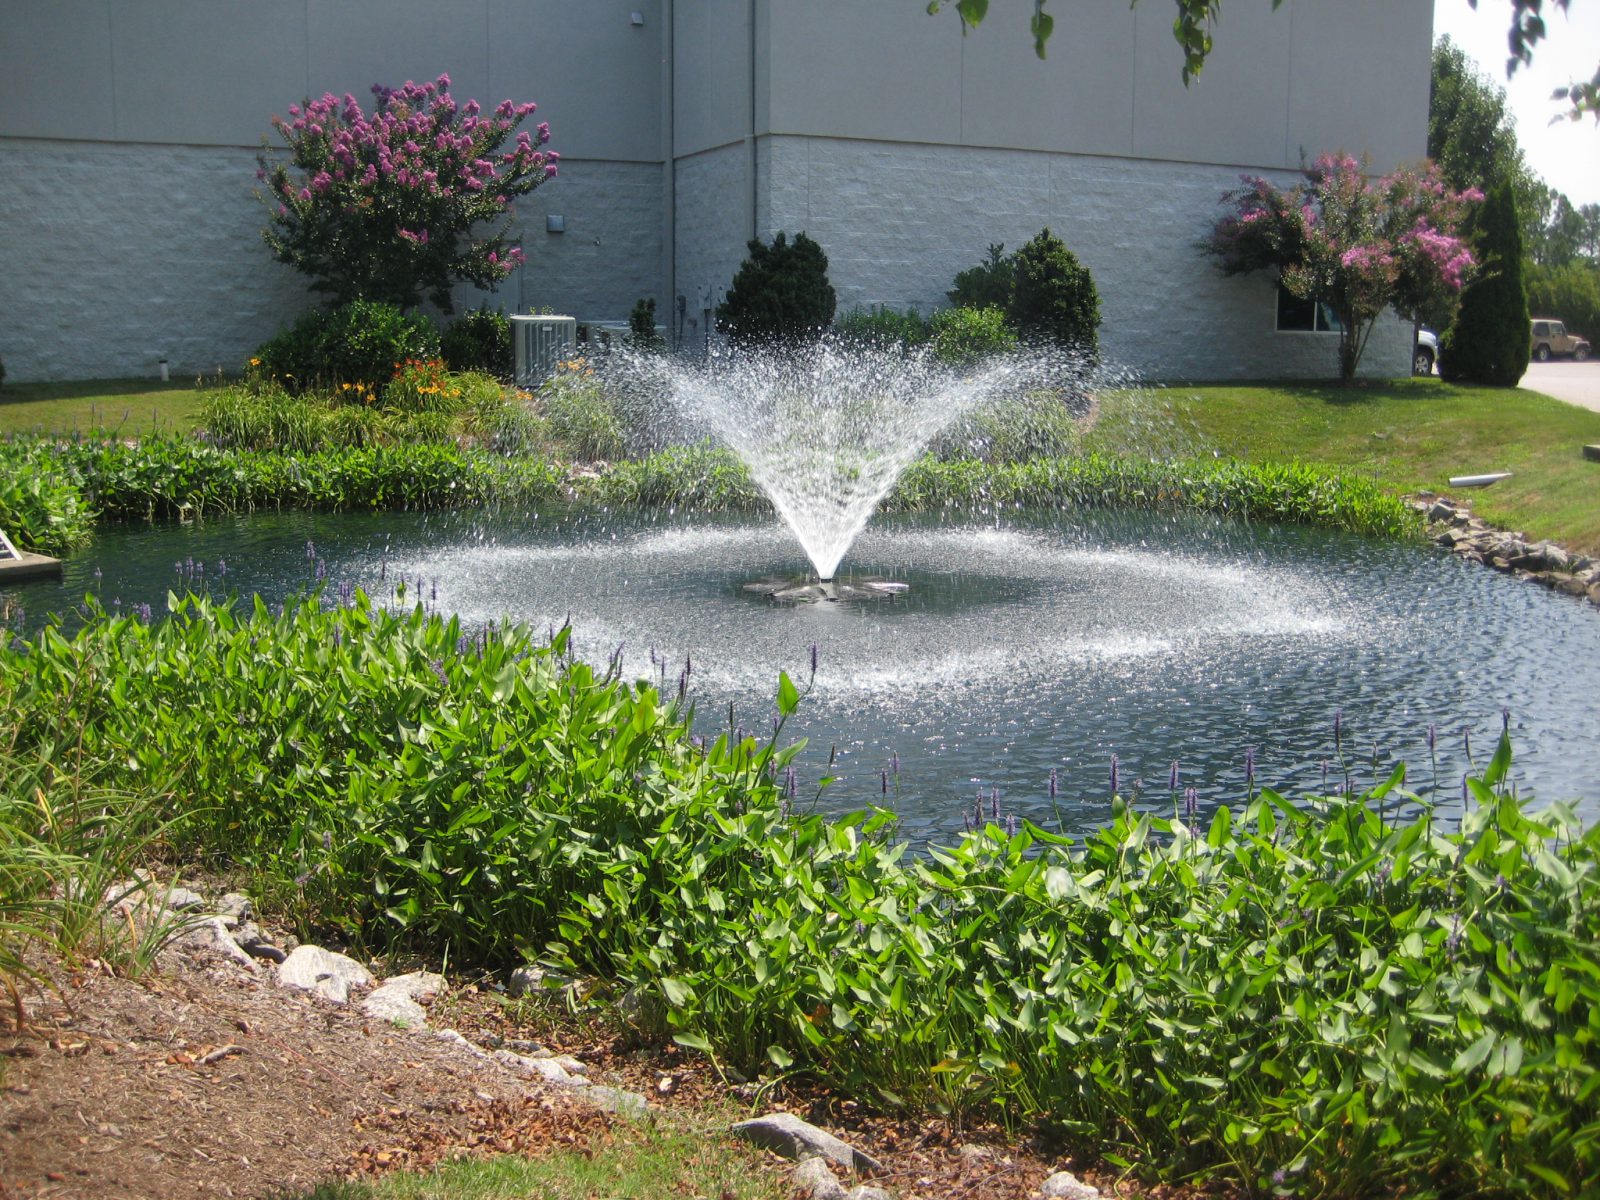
(898, 220)
(119, 254)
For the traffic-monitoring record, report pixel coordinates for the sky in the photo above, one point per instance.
(1566, 155)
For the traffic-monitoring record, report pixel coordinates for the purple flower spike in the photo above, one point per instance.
(813, 660)
(1172, 777)
(1011, 825)
(994, 804)
(1249, 765)
(1191, 804)
(1113, 774)
(884, 782)
(1055, 783)
(1433, 736)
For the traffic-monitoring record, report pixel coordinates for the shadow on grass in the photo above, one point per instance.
(84, 389)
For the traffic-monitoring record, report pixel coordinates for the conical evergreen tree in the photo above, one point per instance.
(781, 293)
(1488, 344)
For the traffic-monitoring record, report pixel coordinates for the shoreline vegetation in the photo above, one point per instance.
(1301, 996)
(1297, 996)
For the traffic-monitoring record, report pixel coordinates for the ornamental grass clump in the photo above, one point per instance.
(405, 202)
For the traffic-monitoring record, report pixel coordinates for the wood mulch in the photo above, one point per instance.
(202, 1080)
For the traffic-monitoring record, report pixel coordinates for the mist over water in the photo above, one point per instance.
(826, 429)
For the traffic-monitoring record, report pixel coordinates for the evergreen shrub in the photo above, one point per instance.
(1053, 295)
(1488, 344)
(986, 285)
(780, 294)
(478, 340)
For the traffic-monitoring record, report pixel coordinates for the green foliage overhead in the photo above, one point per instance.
(1488, 344)
(781, 293)
(1053, 295)
(1196, 18)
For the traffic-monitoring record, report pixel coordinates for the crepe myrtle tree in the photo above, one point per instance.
(1355, 245)
(405, 202)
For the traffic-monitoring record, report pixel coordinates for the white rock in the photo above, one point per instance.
(211, 933)
(328, 974)
(397, 1000)
(814, 1178)
(788, 1135)
(1064, 1185)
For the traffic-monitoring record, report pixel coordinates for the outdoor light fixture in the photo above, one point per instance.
(555, 223)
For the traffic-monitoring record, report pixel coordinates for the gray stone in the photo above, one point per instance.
(624, 1103)
(547, 1069)
(816, 1181)
(328, 974)
(209, 933)
(1064, 1185)
(397, 1000)
(531, 981)
(182, 899)
(788, 1135)
(236, 908)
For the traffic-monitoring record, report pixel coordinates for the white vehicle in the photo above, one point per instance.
(1425, 353)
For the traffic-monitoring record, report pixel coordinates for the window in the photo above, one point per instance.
(1304, 316)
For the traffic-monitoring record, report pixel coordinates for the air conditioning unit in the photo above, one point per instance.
(538, 344)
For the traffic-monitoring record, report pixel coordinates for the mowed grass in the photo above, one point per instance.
(1407, 435)
(673, 1156)
(127, 407)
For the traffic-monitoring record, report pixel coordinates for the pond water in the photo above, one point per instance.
(1025, 643)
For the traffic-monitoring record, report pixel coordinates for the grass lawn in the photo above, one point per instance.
(1408, 435)
(126, 406)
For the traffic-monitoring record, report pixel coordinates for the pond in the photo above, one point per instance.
(1024, 643)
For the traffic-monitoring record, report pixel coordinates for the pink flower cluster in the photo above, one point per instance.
(362, 194)
(417, 137)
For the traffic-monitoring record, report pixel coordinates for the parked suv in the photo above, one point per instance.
(1425, 352)
(1550, 337)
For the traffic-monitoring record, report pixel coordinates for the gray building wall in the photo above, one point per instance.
(128, 128)
(127, 131)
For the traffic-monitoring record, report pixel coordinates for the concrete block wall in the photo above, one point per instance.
(712, 226)
(118, 254)
(898, 220)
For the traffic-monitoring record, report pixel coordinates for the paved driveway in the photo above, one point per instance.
(1575, 382)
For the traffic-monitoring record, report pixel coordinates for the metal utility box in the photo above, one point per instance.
(538, 344)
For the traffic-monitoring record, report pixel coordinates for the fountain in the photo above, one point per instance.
(826, 430)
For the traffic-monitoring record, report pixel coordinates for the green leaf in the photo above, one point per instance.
(788, 694)
(1475, 1054)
